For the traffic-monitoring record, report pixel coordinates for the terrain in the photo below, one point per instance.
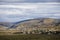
(32, 29)
(31, 26)
(30, 37)
(37, 26)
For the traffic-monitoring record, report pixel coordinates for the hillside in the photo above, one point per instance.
(44, 24)
(37, 25)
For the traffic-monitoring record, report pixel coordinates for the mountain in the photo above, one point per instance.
(45, 24)
(37, 24)
(38, 21)
(6, 24)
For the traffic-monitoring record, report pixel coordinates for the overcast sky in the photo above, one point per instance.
(30, 0)
(18, 10)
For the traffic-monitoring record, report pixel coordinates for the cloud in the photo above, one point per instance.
(10, 0)
(30, 7)
(30, 0)
(27, 1)
(14, 13)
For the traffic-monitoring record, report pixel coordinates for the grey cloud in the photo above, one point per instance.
(28, 1)
(28, 13)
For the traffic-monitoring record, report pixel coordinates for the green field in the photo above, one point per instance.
(30, 37)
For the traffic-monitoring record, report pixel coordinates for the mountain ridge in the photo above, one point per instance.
(11, 25)
(38, 24)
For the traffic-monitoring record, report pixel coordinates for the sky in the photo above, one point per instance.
(18, 10)
(29, 1)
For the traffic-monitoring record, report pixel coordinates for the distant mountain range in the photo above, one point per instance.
(32, 24)
(39, 20)
(6, 24)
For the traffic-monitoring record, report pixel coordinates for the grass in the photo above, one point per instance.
(30, 37)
